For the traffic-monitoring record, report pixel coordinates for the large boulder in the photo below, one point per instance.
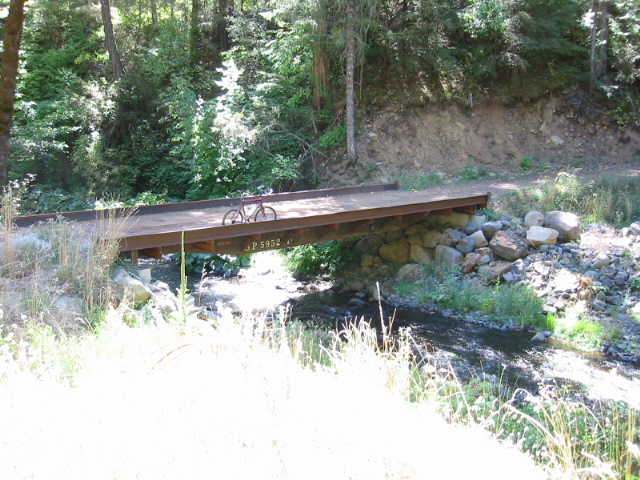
(395, 252)
(567, 225)
(533, 219)
(451, 236)
(492, 272)
(131, 287)
(466, 245)
(425, 256)
(490, 228)
(471, 227)
(431, 239)
(410, 272)
(537, 236)
(480, 239)
(507, 245)
(448, 257)
(369, 245)
(470, 262)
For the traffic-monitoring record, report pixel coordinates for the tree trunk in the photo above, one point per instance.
(350, 54)
(8, 74)
(114, 56)
(154, 12)
(599, 41)
(320, 61)
(225, 8)
(194, 32)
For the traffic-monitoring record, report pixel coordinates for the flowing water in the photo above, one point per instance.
(506, 357)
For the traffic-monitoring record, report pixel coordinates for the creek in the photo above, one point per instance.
(508, 358)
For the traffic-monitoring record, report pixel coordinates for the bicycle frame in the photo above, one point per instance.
(255, 203)
(249, 208)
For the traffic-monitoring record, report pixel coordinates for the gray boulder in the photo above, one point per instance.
(567, 225)
(508, 245)
(490, 228)
(533, 219)
(479, 239)
(447, 256)
(369, 245)
(471, 227)
(537, 236)
(450, 237)
(466, 245)
(602, 260)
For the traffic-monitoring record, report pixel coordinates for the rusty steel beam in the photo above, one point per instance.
(252, 237)
(172, 238)
(347, 216)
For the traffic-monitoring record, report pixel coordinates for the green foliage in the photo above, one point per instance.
(581, 330)
(420, 180)
(334, 136)
(217, 264)
(447, 288)
(47, 199)
(472, 172)
(320, 258)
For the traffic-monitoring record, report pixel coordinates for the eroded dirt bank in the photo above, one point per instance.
(552, 133)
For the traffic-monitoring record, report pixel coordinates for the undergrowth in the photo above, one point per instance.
(612, 201)
(320, 258)
(505, 303)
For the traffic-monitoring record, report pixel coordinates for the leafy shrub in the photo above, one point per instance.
(334, 136)
(320, 258)
(217, 264)
(47, 199)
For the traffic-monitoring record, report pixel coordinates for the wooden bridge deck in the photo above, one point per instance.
(302, 218)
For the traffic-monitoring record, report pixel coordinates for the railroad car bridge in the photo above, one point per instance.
(302, 218)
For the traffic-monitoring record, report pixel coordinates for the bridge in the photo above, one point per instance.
(302, 218)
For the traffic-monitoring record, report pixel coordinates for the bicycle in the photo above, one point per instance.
(257, 213)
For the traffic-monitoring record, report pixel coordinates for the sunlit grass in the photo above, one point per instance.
(504, 302)
(613, 201)
(243, 398)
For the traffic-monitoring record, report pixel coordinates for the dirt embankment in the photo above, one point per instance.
(549, 135)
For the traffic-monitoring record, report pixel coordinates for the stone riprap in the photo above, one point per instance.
(597, 266)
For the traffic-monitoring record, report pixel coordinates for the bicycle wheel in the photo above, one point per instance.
(264, 213)
(233, 216)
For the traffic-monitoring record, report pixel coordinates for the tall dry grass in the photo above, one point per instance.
(56, 272)
(242, 399)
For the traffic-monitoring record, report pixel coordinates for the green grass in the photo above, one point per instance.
(421, 180)
(504, 303)
(612, 201)
(256, 391)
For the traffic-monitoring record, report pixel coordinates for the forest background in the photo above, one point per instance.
(162, 100)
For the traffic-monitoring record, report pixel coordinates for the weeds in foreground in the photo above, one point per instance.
(259, 390)
(56, 272)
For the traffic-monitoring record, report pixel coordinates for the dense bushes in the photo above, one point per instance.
(203, 112)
